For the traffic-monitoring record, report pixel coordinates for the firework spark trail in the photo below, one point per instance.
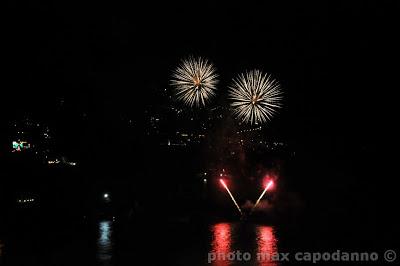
(270, 183)
(195, 81)
(255, 97)
(230, 194)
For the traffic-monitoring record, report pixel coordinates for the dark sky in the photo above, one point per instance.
(333, 58)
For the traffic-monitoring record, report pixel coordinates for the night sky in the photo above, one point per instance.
(332, 58)
(85, 67)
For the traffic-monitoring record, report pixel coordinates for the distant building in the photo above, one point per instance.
(27, 200)
(20, 145)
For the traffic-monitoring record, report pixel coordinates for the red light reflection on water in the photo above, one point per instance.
(221, 243)
(266, 243)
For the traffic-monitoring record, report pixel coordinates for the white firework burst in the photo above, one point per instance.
(255, 97)
(195, 81)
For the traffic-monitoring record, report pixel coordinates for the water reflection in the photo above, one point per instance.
(105, 243)
(257, 240)
(221, 243)
(266, 246)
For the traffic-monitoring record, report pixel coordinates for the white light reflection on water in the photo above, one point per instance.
(105, 243)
